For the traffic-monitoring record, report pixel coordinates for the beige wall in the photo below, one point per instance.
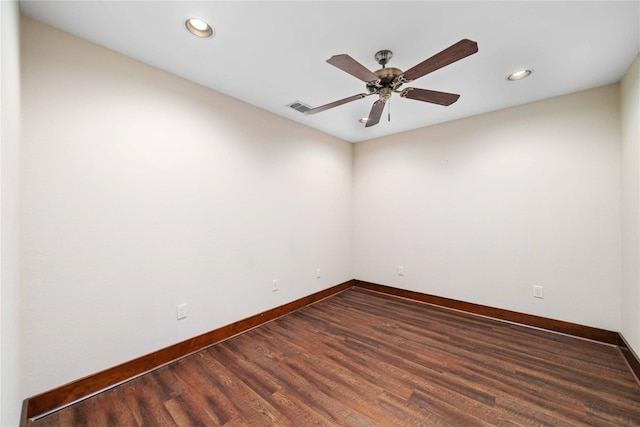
(142, 191)
(10, 292)
(484, 208)
(630, 97)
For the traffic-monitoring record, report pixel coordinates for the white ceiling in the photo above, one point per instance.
(270, 54)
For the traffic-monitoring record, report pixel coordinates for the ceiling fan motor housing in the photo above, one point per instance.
(388, 79)
(385, 81)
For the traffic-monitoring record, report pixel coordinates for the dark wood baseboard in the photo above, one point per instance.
(632, 358)
(23, 414)
(59, 397)
(574, 329)
(365, 358)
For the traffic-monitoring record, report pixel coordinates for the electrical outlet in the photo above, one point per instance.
(538, 292)
(400, 270)
(181, 311)
(274, 286)
(317, 273)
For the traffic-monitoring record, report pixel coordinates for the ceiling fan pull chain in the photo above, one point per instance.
(385, 81)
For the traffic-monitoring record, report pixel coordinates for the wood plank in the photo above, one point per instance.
(574, 329)
(630, 356)
(80, 389)
(363, 358)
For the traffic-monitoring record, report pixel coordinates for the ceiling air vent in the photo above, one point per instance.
(299, 106)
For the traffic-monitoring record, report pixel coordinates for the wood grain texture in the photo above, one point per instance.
(630, 356)
(376, 112)
(432, 96)
(336, 103)
(453, 53)
(353, 67)
(79, 389)
(363, 358)
(601, 335)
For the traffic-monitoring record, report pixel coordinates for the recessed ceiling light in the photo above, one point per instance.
(519, 75)
(199, 28)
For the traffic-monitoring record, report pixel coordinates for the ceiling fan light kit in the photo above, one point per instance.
(386, 81)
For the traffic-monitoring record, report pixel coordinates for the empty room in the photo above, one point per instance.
(292, 213)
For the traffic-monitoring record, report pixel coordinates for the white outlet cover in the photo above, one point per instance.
(538, 292)
(181, 311)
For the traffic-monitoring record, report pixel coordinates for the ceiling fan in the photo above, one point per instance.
(386, 81)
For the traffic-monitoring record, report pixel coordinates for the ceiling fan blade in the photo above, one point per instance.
(376, 113)
(453, 53)
(353, 67)
(442, 98)
(335, 103)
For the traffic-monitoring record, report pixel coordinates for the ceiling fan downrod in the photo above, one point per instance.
(385, 81)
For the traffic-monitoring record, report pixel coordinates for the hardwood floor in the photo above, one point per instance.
(361, 358)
